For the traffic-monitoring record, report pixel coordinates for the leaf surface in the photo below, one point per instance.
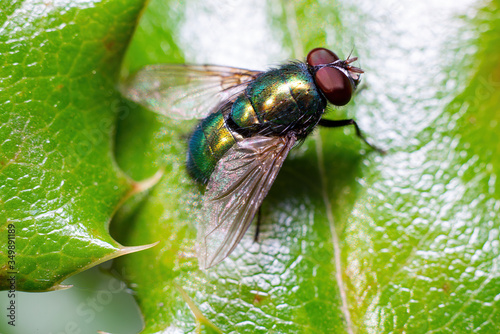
(59, 183)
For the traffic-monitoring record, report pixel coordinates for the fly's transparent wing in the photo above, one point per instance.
(185, 91)
(237, 187)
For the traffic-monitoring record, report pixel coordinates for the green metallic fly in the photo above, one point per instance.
(250, 121)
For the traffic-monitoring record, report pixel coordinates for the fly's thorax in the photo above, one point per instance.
(282, 100)
(208, 143)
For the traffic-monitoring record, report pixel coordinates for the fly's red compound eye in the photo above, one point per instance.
(334, 84)
(321, 56)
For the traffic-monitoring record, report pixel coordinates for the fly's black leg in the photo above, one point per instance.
(257, 230)
(328, 123)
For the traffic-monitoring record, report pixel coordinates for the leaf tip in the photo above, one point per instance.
(59, 287)
(133, 249)
(148, 183)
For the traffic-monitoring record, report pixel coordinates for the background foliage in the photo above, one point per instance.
(59, 183)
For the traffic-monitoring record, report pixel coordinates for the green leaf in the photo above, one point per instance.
(59, 183)
(351, 241)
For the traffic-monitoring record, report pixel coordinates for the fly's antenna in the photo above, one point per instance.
(350, 53)
(350, 60)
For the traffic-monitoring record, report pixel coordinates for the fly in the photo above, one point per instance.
(250, 120)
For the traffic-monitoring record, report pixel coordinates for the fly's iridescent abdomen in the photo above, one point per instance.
(277, 102)
(208, 143)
